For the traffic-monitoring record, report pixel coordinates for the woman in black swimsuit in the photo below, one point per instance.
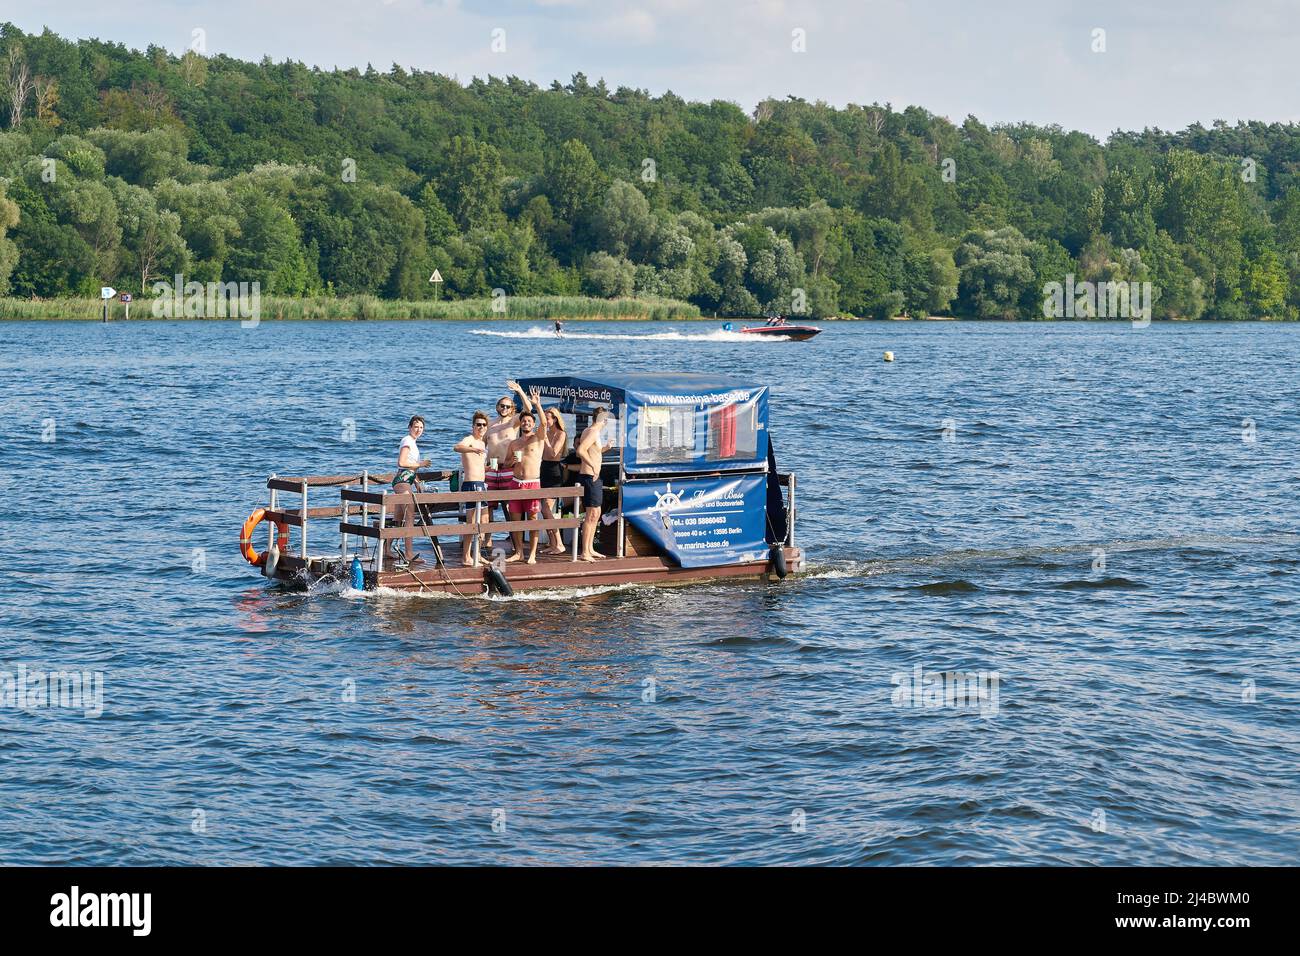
(555, 447)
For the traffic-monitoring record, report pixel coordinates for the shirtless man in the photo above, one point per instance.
(499, 474)
(473, 463)
(526, 452)
(590, 452)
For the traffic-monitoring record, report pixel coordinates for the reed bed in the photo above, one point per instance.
(365, 307)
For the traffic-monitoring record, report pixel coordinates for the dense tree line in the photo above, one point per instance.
(123, 167)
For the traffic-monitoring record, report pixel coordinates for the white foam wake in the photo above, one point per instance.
(717, 335)
(470, 590)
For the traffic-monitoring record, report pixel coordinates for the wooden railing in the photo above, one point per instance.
(433, 503)
(283, 483)
(302, 485)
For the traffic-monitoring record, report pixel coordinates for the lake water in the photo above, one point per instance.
(1097, 524)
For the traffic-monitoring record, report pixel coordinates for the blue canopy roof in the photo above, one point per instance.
(646, 388)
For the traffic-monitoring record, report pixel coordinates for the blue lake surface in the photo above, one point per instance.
(1102, 518)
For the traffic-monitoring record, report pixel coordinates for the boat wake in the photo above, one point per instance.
(564, 594)
(839, 568)
(541, 594)
(717, 335)
(1044, 555)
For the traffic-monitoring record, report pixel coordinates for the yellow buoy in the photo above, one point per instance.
(889, 356)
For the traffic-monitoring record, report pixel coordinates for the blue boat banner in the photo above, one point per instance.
(685, 422)
(696, 432)
(701, 522)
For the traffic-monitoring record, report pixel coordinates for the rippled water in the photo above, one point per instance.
(1076, 509)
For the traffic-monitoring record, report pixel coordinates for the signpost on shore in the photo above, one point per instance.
(436, 279)
(125, 299)
(106, 293)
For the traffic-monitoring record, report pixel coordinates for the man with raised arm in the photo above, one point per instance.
(526, 453)
(590, 453)
(473, 453)
(500, 475)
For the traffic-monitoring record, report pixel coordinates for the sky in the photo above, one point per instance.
(1158, 63)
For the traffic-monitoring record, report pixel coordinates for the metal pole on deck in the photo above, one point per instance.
(303, 518)
(577, 532)
(270, 528)
(343, 537)
(790, 530)
(365, 505)
(622, 475)
(476, 548)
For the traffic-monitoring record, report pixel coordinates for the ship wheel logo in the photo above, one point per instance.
(668, 501)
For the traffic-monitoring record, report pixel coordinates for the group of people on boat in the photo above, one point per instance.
(525, 447)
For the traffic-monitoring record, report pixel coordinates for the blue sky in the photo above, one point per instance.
(1166, 63)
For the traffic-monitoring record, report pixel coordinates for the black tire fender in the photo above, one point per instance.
(497, 583)
(777, 557)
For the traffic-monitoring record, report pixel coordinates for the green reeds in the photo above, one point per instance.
(367, 307)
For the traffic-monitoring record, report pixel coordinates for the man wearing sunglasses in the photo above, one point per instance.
(526, 453)
(500, 474)
(473, 463)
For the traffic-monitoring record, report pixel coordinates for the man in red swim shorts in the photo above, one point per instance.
(500, 433)
(526, 453)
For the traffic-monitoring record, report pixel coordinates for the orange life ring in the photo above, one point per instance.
(246, 537)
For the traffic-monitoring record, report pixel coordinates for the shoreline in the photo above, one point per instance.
(353, 309)
(842, 319)
(539, 309)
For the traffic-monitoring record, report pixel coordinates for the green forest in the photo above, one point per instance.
(123, 168)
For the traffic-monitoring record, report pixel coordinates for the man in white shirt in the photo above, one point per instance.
(408, 463)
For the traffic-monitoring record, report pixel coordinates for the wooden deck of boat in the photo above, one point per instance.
(550, 571)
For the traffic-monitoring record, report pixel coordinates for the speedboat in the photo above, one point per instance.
(783, 330)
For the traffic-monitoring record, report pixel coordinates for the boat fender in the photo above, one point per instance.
(777, 556)
(358, 576)
(272, 561)
(497, 583)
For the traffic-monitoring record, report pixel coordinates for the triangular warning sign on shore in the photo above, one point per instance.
(436, 277)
